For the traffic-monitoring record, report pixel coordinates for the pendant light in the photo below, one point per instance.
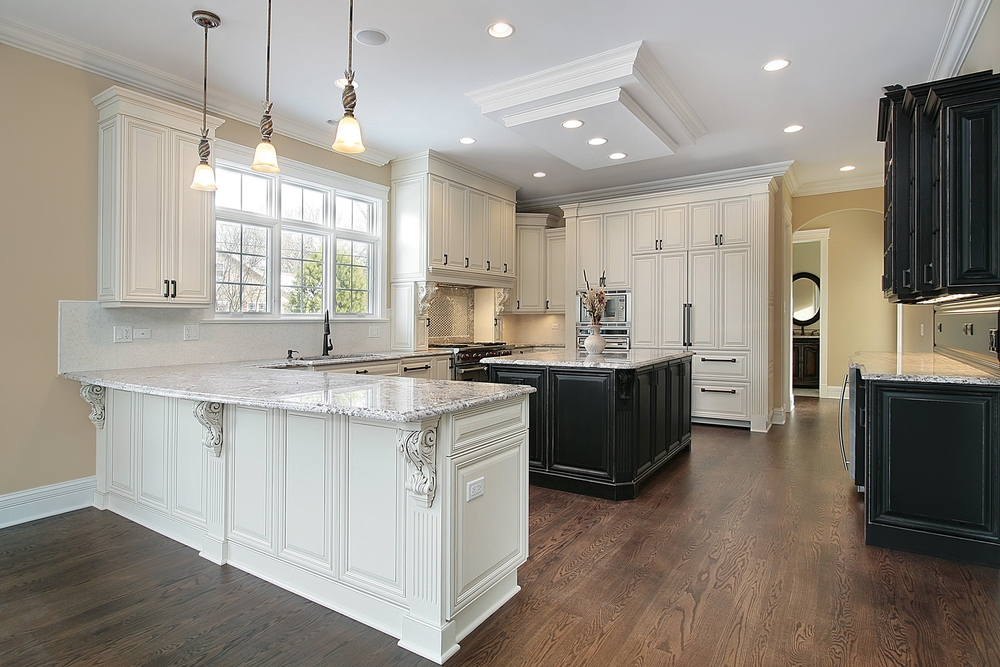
(204, 176)
(348, 131)
(265, 158)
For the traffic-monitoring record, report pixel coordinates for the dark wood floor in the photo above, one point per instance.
(748, 551)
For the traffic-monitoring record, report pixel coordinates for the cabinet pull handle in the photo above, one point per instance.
(907, 278)
(487, 265)
(428, 322)
(717, 391)
(505, 267)
(546, 304)
(446, 258)
(415, 368)
(363, 371)
(518, 307)
(166, 289)
(843, 449)
(173, 289)
(466, 262)
(928, 273)
(728, 361)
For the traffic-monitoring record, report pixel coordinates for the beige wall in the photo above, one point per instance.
(985, 50)
(48, 252)
(913, 317)
(859, 318)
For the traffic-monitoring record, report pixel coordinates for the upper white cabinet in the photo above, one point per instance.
(659, 229)
(555, 270)
(541, 265)
(155, 232)
(603, 247)
(451, 223)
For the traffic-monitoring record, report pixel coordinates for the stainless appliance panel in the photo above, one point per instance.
(618, 309)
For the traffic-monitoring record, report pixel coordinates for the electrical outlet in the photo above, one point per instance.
(475, 488)
(191, 332)
(141, 333)
(921, 329)
(993, 340)
(374, 331)
(555, 326)
(122, 335)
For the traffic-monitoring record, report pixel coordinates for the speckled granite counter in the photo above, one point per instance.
(921, 367)
(576, 359)
(253, 384)
(338, 360)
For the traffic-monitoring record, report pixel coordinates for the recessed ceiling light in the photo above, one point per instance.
(793, 128)
(371, 37)
(775, 65)
(342, 83)
(572, 124)
(618, 156)
(539, 174)
(466, 140)
(598, 141)
(848, 167)
(500, 30)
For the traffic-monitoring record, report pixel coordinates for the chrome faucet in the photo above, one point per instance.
(327, 345)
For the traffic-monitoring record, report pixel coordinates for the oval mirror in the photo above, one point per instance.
(805, 299)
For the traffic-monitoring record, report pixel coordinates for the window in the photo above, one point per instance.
(295, 244)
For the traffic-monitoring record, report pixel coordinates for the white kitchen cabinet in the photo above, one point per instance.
(155, 232)
(476, 231)
(604, 247)
(495, 234)
(555, 270)
(659, 229)
(589, 239)
(704, 224)
(530, 270)
(427, 368)
(718, 223)
(455, 251)
(437, 219)
(509, 239)
(703, 297)
(734, 315)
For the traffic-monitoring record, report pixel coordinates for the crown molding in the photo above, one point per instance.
(791, 180)
(725, 177)
(839, 185)
(963, 24)
(122, 70)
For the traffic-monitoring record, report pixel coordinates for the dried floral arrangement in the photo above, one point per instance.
(594, 299)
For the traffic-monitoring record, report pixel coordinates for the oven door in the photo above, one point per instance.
(475, 373)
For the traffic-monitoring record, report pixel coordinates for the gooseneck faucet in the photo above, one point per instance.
(327, 345)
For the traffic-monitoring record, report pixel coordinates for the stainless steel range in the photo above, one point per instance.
(466, 358)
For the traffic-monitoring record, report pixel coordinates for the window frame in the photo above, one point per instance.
(237, 158)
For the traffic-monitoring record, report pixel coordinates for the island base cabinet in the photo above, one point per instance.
(933, 477)
(415, 529)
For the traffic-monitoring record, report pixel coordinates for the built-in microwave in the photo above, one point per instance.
(618, 309)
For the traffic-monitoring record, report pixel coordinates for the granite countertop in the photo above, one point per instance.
(395, 399)
(921, 367)
(578, 359)
(335, 360)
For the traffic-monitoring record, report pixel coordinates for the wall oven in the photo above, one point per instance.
(618, 309)
(618, 339)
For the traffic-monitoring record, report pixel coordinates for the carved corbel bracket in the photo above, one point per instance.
(94, 395)
(209, 415)
(425, 294)
(502, 297)
(418, 448)
(626, 380)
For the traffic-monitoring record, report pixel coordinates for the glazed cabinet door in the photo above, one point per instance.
(580, 414)
(645, 305)
(145, 233)
(495, 242)
(645, 231)
(704, 225)
(509, 239)
(476, 231)
(437, 230)
(734, 225)
(703, 295)
(617, 250)
(190, 230)
(734, 276)
(456, 199)
(537, 435)
(588, 250)
(531, 270)
(669, 299)
(555, 270)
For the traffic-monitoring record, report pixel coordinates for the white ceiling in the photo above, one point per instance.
(412, 91)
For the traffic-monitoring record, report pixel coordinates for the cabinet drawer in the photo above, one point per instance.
(474, 426)
(387, 368)
(721, 365)
(719, 400)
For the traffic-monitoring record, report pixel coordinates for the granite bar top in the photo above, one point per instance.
(629, 359)
(312, 363)
(394, 399)
(921, 367)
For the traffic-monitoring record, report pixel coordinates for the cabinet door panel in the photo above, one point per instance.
(476, 230)
(494, 236)
(735, 227)
(704, 227)
(704, 298)
(145, 211)
(509, 240)
(582, 441)
(437, 223)
(645, 231)
(617, 246)
(555, 270)
(191, 263)
(734, 278)
(537, 437)
(588, 250)
(673, 228)
(531, 270)
(456, 198)
(668, 299)
(153, 449)
(645, 395)
(645, 305)
(661, 411)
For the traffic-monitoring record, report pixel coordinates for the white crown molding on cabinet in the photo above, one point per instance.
(839, 185)
(122, 70)
(963, 24)
(724, 178)
(791, 180)
(43, 501)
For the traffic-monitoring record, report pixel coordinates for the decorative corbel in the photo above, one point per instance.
(425, 294)
(94, 395)
(502, 297)
(209, 415)
(418, 448)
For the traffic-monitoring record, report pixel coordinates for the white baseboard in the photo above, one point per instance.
(831, 392)
(44, 501)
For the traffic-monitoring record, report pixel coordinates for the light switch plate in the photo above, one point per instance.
(191, 332)
(475, 488)
(374, 331)
(122, 335)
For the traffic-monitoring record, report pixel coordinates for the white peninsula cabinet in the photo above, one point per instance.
(449, 224)
(155, 239)
(401, 503)
(704, 277)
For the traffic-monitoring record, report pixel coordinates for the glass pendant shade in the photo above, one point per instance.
(204, 178)
(265, 159)
(348, 136)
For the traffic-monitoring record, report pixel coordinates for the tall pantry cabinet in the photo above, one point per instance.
(698, 264)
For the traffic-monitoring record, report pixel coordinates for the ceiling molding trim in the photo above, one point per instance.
(791, 180)
(562, 107)
(805, 235)
(963, 24)
(726, 177)
(650, 70)
(121, 70)
(839, 185)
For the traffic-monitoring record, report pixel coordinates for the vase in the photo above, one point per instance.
(594, 343)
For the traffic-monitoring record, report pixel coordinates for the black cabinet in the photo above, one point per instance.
(933, 474)
(942, 191)
(602, 431)
(805, 362)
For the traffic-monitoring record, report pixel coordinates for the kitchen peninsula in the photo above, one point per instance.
(604, 424)
(399, 502)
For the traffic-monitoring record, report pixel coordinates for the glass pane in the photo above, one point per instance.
(312, 206)
(254, 299)
(362, 213)
(291, 271)
(227, 237)
(254, 270)
(227, 267)
(254, 240)
(343, 301)
(359, 302)
(227, 298)
(343, 277)
(361, 253)
(291, 202)
(254, 194)
(228, 193)
(343, 252)
(344, 208)
(312, 246)
(359, 278)
(291, 245)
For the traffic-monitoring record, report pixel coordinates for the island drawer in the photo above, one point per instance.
(719, 400)
(728, 365)
(474, 426)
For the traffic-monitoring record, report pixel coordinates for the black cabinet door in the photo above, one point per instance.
(581, 405)
(534, 377)
(661, 406)
(646, 428)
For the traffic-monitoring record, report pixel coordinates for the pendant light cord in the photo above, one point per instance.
(267, 78)
(204, 90)
(350, 45)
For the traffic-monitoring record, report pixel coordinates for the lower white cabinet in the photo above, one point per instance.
(428, 368)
